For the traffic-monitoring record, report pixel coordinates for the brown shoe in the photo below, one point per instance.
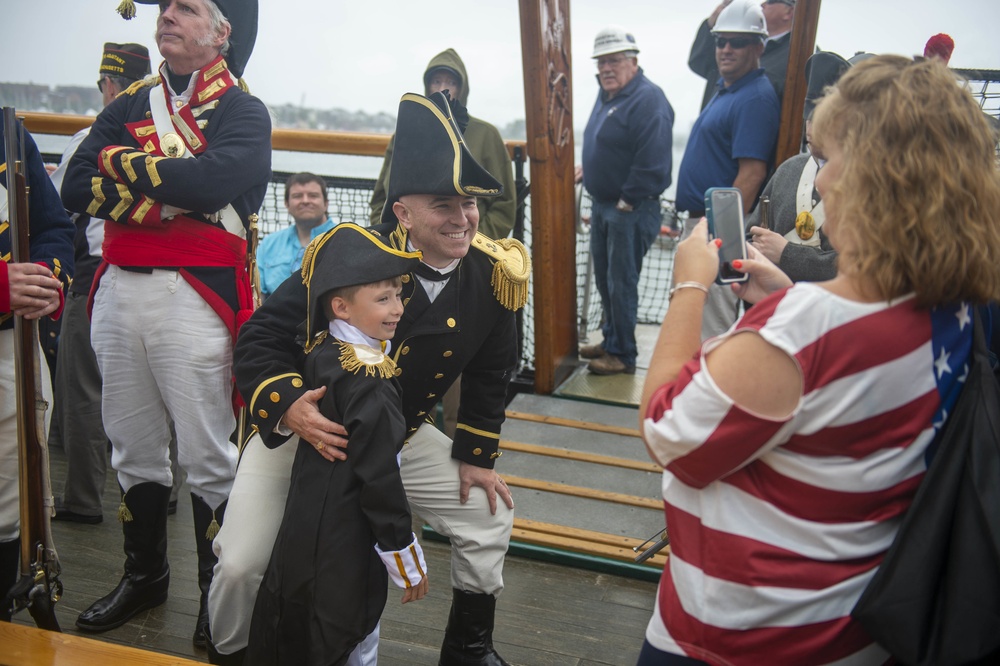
(610, 365)
(592, 351)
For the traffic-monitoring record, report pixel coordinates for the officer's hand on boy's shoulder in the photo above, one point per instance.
(305, 420)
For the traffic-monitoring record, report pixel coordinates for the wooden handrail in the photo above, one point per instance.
(305, 141)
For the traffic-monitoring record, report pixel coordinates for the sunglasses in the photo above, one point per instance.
(735, 42)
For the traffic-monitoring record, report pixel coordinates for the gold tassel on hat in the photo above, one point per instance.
(127, 10)
(213, 528)
(124, 515)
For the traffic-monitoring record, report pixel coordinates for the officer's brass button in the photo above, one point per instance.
(405, 278)
(397, 372)
(477, 451)
(297, 383)
(52, 334)
(447, 354)
(262, 414)
(451, 322)
(275, 397)
(438, 376)
(405, 301)
(405, 350)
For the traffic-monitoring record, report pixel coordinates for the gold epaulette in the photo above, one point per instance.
(511, 269)
(354, 359)
(149, 81)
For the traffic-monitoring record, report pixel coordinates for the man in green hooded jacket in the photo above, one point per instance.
(446, 71)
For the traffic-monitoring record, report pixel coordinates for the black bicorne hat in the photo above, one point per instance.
(823, 68)
(430, 156)
(242, 16)
(129, 61)
(344, 256)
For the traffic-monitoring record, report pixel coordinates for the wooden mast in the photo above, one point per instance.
(803, 43)
(548, 99)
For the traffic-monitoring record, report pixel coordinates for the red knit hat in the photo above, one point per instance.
(939, 46)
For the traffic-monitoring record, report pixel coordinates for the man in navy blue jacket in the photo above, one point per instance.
(626, 166)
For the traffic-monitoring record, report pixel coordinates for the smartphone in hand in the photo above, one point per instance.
(724, 210)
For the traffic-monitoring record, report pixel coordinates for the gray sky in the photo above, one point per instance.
(363, 55)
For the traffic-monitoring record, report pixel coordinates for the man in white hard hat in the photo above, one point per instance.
(626, 166)
(732, 143)
(778, 15)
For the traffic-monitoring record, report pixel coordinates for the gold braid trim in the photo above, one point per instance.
(374, 362)
(147, 82)
(511, 269)
(242, 84)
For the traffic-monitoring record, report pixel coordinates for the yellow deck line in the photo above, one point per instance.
(588, 493)
(573, 423)
(580, 456)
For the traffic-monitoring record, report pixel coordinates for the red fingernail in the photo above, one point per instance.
(718, 242)
(737, 264)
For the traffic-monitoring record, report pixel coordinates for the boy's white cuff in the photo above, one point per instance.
(406, 567)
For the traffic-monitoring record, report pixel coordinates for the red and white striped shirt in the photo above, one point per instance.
(776, 527)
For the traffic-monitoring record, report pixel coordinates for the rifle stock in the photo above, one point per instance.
(38, 586)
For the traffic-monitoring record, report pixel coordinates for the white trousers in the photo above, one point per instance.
(10, 506)
(165, 355)
(430, 477)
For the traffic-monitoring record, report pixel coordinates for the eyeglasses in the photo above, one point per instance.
(100, 83)
(735, 42)
(614, 61)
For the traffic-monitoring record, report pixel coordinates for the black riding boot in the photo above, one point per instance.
(468, 640)
(143, 513)
(206, 526)
(10, 570)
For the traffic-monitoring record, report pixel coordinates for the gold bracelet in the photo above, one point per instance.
(687, 285)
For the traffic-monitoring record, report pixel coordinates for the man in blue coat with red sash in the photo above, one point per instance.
(178, 165)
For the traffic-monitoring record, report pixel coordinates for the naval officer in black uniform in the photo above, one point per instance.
(458, 318)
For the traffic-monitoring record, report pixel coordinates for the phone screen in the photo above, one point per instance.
(724, 209)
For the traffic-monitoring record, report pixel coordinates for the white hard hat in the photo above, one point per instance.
(613, 39)
(742, 16)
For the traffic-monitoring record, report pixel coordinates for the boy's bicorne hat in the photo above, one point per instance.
(242, 17)
(430, 156)
(344, 256)
(129, 61)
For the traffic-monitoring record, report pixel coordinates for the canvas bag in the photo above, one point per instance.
(936, 597)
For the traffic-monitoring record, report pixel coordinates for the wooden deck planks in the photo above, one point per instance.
(548, 614)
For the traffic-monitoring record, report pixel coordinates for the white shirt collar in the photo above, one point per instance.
(345, 332)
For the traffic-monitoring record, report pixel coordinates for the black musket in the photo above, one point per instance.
(38, 587)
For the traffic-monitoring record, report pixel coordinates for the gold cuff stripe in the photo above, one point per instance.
(126, 202)
(127, 166)
(140, 212)
(402, 571)
(154, 175)
(265, 383)
(477, 431)
(95, 188)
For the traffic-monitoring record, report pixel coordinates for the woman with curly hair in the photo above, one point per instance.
(793, 444)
